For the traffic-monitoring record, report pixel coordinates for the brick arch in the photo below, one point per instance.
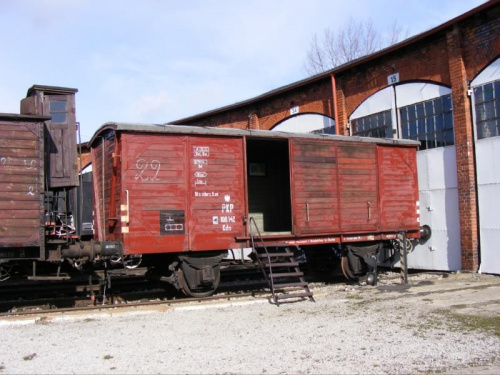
(84, 159)
(85, 165)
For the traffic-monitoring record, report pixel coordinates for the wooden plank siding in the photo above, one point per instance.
(216, 217)
(21, 184)
(398, 188)
(315, 190)
(154, 172)
(185, 193)
(189, 190)
(102, 172)
(358, 186)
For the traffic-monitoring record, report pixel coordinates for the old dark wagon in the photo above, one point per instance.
(40, 210)
(178, 197)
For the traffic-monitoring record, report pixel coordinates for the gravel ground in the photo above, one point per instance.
(349, 329)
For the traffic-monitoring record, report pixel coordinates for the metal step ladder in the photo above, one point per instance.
(280, 269)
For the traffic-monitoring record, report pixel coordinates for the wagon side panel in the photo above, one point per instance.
(398, 186)
(154, 193)
(102, 175)
(21, 185)
(216, 192)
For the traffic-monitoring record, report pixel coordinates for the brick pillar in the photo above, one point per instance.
(253, 120)
(341, 111)
(464, 140)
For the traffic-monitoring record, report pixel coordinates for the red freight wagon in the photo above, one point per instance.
(190, 193)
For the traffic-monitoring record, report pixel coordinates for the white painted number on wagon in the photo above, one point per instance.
(201, 151)
(30, 164)
(148, 170)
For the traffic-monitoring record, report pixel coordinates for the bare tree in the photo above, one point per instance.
(353, 40)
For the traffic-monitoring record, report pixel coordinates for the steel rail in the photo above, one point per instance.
(133, 304)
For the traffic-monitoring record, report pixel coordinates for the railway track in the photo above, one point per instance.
(26, 297)
(229, 290)
(125, 304)
(132, 290)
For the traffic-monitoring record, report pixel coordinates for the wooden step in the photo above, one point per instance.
(260, 245)
(294, 295)
(275, 255)
(275, 265)
(49, 278)
(287, 274)
(290, 285)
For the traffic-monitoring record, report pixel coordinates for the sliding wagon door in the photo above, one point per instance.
(314, 181)
(357, 170)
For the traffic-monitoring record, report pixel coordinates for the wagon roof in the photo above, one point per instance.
(25, 118)
(228, 132)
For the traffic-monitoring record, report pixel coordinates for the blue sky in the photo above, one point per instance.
(155, 61)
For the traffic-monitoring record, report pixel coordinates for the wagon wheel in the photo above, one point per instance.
(346, 270)
(199, 292)
(370, 277)
(4, 274)
(132, 262)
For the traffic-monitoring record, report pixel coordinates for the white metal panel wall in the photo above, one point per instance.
(438, 194)
(488, 179)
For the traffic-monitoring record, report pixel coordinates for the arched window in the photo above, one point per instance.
(307, 123)
(420, 111)
(486, 99)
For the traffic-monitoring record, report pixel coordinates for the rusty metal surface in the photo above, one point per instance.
(21, 184)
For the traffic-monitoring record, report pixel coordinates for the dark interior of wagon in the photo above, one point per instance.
(269, 185)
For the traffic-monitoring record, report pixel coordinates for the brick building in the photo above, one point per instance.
(441, 87)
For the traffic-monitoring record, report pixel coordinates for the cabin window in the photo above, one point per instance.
(58, 111)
